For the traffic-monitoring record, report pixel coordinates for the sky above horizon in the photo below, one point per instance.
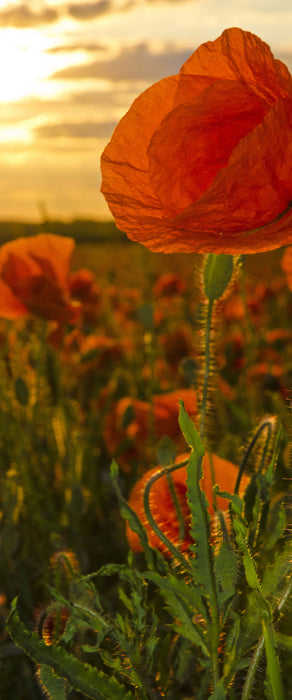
(70, 70)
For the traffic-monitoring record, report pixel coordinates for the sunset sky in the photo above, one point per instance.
(70, 70)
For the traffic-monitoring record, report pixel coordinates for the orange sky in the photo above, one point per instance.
(70, 70)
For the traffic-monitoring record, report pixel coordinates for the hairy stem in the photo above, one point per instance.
(152, 522)
(207, 358)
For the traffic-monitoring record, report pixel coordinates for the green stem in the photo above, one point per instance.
(266, 424)
(273, 667)
(207, 358)
(284, 597)
(176, 503)
(247, 688)
(152, 522)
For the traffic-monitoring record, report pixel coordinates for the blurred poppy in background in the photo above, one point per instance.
(34, 278)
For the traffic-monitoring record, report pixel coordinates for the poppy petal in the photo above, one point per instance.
(124, 162)
(241, 56)
(250, 199)
(196, 140)
(10, 306)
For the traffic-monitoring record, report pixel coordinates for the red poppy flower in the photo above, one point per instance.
(34, 278)
(131, 422)
(202, 161)
(85, 291)
(168, 285)
(162, 506)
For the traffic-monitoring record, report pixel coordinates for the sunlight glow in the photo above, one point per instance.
(26, 65)
(15, 134)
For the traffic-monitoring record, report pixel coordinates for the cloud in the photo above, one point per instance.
(133, 63)
(71, 48)
(21, 16)
(170, 2)
(68, 130)
(89, 10)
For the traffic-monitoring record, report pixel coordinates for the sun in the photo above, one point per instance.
(24, 64)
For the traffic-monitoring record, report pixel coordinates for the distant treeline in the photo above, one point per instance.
(82, 230)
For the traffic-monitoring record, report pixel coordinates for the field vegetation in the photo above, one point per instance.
(98, 377)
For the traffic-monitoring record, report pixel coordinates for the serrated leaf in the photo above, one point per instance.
(273, 667)
(190, 433)
(153, 557)
(276, 523)
(275, 575)
(235, 500)
(54, 686)
(219, 692)
(247, 560)
(82, 677)
(225, 567)
(190, 594)
(200, 521)
(181, 609)
(217, 275)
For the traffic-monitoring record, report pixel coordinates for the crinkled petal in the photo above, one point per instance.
(124, 162)
(248, 206)
(241, 56)
(196, 140)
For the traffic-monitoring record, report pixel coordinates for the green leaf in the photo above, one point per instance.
(181, 610)
(276, 523)
(190, 433)
(219, 692)
(275, 575)
(217, 275)
(231, 650)
(200, 522)
(189, 594)
(54, 686)
(236, 501)
(166, 451)
(284, 641)
(153, 557)
(273, 668)
(21, 391)
(82, 677)
(248, 563)
(226, 562)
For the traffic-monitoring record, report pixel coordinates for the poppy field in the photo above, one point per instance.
(78, 391)
(145, 423)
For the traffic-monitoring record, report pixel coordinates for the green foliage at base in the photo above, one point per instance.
(211, 630)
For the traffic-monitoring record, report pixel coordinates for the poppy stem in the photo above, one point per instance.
(152, 522)
(176, 503)
(267, 424)
(207, 358)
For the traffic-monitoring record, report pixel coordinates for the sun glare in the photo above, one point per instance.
(25, 64)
